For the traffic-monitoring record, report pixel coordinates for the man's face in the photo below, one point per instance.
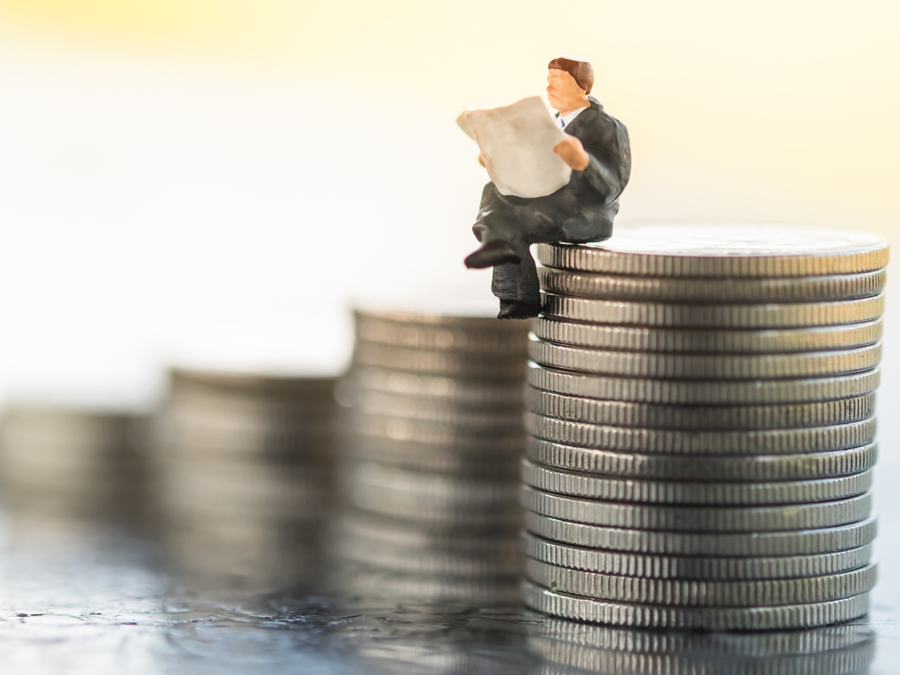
(562, 88)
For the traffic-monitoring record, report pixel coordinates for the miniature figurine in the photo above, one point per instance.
(595, 147)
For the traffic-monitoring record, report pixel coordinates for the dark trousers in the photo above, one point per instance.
(520, 222)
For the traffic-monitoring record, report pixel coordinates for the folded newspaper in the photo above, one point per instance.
(517, 142)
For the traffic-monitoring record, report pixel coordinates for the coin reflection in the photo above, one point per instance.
(570, 648)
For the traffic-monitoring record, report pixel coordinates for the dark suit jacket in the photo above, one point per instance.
(582, 210)
(595, 191)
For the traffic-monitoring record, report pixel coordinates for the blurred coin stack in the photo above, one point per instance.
(701, 419)
(434, 412)
(568, 648)
(70, 463)
(244, 468)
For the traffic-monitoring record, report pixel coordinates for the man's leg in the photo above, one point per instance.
(494, 227)
(517, 286)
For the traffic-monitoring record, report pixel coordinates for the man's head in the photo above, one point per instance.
(569, 81)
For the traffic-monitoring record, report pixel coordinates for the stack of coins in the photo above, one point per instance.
(700, 410)
(244, 468)
(434, 405)
(74, 463)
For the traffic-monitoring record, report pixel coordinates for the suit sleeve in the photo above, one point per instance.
(606, 142)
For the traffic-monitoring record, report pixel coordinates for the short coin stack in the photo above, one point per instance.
(701, 426)
(244, 470)
(70, 464)
(431, 478)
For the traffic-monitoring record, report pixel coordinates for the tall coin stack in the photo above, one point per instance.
(701, 419)
(434, 404)
(244, 471)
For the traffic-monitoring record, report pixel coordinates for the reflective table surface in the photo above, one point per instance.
(85, 600)
(80, 599)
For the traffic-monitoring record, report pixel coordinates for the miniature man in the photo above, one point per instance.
(597, 151)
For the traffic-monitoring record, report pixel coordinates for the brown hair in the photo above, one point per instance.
(581, 71)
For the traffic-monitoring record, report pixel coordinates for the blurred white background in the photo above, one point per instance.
(217, 179)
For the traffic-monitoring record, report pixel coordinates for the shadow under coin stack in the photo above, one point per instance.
(244, 470)
(431, 476)
(66, 465)
(701, 416)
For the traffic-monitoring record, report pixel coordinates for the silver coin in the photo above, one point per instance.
(436, 458)
(704, 467)
(433, 513)
(705, 341)
(724, 249)
(206, 487)
(693, 568)
(701, 593)
(476, 336)
(261, 535)
(728, 418)
(292, 554)
(697, 519)
(28, 462)
(376, 553)
(172, 434)
(704, 366)
(248, 473)
(500, 439)
(280, 413)
(470, 324)
(428, 387)
(693, 618)
(223, 419)
(246, 523)
(25, 487)
(90, 432)
(483, 367)
(197, 499)
(754, 544)
(379, 586)
(431, 498)
(750, 316)
(467, 493)
(249, 384)
(479, 451)
(680, 442)
(656, 289)
(75, 451)
(500, 542)
(699, 392)
(593, 486)
(377, 403)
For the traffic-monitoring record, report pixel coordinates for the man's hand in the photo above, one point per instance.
(573, 153)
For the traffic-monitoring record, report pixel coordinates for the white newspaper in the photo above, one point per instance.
(517, 142)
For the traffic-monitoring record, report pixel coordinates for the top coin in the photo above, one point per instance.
(709, 249)
(220, 382)
(486, 325)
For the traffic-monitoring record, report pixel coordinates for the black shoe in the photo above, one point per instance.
(513, 309)
(494, 252)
